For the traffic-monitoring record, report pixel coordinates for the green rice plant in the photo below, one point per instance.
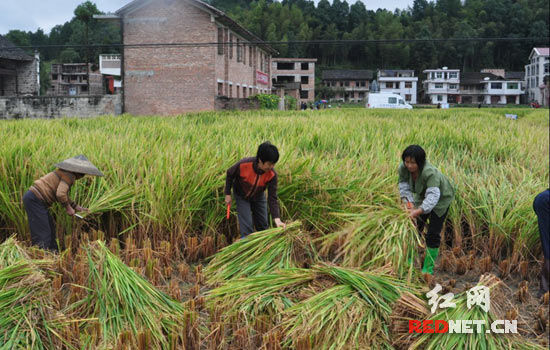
(261, 252)
(121, 301)
(475, 340)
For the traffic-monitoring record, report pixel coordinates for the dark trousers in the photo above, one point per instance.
(252, 214)
(435, 225)
(541, 205)
(40, 221)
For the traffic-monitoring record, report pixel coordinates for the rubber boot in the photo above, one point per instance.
(544, 277)
(429, 260)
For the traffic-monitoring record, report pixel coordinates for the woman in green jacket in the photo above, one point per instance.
(429, 193)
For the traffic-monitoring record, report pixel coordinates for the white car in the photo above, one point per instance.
(386, 100)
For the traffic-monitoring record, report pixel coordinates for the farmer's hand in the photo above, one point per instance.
(79, 208)
(279, 223)
(70, 210)
(227, 199)
(415, 212)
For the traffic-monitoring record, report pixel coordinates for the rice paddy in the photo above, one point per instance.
(155, 264)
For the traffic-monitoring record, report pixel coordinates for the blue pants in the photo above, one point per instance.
(40, 221)
(541, 205)
(252, 214)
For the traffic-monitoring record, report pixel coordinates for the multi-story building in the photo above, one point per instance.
(489, 88)
(442, 85)
(72, 79)
(178, 72)
(295, 70)
(535, 73)
(401, 82)
(19, 71)
(348, 85)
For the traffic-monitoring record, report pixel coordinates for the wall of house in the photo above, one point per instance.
(298, 73)
(27, 78)
(169, 80)
(59, 106)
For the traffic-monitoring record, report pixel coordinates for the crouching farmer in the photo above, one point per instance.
(249, 178)
(54, 187)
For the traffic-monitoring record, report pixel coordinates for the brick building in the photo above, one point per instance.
(19, 71)
(172, 79)
(296, 70)
(348, 85)
(72, 79)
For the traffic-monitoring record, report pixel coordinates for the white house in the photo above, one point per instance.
(535, 73)
(109, 65)
(401, 82)
(489, 88)
(442, 85)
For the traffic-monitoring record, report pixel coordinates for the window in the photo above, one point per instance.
(439, 98)
(362, 83)
(389, 85)
(512, 86)
(496, 86)
(438, 86)
(220, 89)
(250, 56)
(304, 94)
(439, 75)
(220, 41)
(361, 95)
(392, 100)
(546, 68)
(401, 102)
(408, 85)
(305, 66)
(238, 91)
(230, 46)
(230, 90)
(239, 52)
(453, 86)
(304, 79)
(244, 54)
(249, 91)
(346, 83)
(407, 97)
(244, 92)
(453, 75)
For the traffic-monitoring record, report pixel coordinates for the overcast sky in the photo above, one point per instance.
(29, 15)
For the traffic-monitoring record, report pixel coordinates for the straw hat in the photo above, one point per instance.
(79, 164)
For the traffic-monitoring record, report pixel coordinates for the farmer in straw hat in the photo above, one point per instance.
(54, 187)
(429, 193)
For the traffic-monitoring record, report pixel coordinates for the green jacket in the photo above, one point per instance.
(429, 177)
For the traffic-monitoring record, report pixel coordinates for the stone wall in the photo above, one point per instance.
(59, 106)
(26, 82)
(242, 104)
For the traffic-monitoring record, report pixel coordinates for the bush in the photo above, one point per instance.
(267, 101)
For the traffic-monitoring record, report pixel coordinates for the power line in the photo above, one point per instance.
(294, 42)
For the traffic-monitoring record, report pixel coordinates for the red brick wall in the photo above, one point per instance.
(169, 80)
(174, 80)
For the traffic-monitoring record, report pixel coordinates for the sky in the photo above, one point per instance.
(29, 15)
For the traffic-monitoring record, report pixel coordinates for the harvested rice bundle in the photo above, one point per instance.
(376, 237)
(28, 319)
(123, 302)
(261, 252)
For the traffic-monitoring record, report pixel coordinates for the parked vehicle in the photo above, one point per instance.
(386, 100)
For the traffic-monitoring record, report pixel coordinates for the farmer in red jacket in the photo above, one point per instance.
(249, 178)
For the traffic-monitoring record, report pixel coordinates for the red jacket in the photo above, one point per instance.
(249, 182)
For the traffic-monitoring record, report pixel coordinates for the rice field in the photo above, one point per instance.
(156, 265)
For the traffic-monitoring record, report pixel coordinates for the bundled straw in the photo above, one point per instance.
(124, 302)
(261, 252)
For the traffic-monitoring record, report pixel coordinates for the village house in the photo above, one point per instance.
(488, 88)
(170, 65)
(348, 85)
(401, 82)
(536, 73)
(74, 79)
(442, 85)
(286, 71)
(19, 71)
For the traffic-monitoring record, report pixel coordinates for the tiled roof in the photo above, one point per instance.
(11, 52)
(342, 74)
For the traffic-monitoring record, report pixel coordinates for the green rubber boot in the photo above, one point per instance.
(429, 260)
